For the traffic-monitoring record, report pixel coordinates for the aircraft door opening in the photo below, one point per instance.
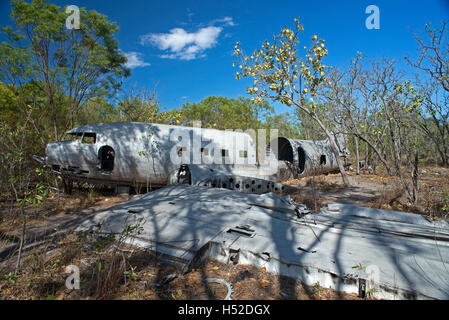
(301, 160)
(285, 150)
(106, 156)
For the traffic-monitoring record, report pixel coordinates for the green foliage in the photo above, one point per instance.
(131, 273)
(95, 110)
(359, 267)
(51, 79)
(287, 125)
(445, 201)
(35, 196)
(10, 277)
(317, 288)
(14, 164)
(138, 109)
(131, 229)
(15, 63)
(102, 241)
(225, 113)
(142, 106)
(82, 235)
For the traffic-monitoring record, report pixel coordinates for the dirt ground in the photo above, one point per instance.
(51, 245)
(376, 191)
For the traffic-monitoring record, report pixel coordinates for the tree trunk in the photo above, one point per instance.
(22, 241)
(331, 139)
(382, 159)
(366, 154)
(334, 148)
(397, 160)
(415, 178)
(444, 156)
(357, 158)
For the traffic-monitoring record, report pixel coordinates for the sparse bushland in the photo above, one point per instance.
(397, 125)
(381, 109)
(379, 190)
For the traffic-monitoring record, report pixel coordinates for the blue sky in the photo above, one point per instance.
(185, 48)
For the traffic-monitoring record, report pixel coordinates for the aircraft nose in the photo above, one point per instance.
(52, 152)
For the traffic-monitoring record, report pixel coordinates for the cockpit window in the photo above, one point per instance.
(71, 136)
(89, 138)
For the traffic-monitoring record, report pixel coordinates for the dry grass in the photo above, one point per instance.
(378, 191)
(105, 274)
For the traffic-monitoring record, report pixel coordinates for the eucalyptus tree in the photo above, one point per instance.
(81, 62)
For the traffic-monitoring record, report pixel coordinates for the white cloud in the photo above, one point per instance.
(181, 44)
(135, 60)
(226, 21)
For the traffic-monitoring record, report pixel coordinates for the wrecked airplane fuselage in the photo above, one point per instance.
(134, 153)
(137, 154)
(309, 157)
